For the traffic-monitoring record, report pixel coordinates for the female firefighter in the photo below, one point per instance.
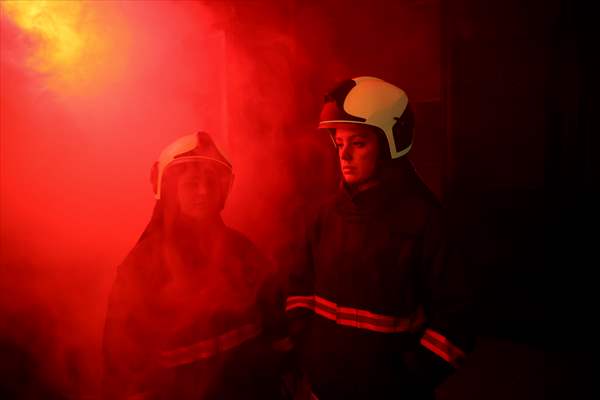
(188, 311)
(377, 308)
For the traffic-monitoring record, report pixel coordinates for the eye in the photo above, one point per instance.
(358, 144)
(339, 145)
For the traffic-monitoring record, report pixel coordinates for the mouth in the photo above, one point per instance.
(349, 170)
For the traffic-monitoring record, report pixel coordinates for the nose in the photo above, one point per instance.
(201, 188)
(345, 153)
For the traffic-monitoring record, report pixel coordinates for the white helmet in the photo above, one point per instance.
(195, 147)
(371, 101)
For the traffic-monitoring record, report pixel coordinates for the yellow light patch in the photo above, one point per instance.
(69, 46)
(54, 24)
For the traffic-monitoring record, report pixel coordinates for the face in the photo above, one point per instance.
(200, 190)
(358, 152)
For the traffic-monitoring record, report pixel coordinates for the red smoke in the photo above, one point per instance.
(77, 140)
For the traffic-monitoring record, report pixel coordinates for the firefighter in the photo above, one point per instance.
(377, 303)
(188, 314)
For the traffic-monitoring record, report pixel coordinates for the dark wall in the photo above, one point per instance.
(523, 170)
(499, 86)
(524, 182)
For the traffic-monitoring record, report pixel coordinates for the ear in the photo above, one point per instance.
(154, 177)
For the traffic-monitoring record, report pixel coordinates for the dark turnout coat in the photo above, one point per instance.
(378, 305)
(191, 320)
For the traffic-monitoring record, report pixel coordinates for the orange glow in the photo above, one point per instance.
(67, 44)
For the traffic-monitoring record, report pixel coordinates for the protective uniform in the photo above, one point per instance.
(188, 314)
(377, 303)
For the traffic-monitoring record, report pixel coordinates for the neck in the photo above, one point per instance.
(186, 228)
(362, 186)
(397, 172)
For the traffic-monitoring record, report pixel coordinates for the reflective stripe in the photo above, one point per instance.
(210, 347)
(354, 317)
(441, 346)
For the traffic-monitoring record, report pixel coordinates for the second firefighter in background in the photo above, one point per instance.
(188, 315)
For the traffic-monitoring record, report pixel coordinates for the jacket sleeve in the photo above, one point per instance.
(270, 301)
(448, 336)
(300, 288)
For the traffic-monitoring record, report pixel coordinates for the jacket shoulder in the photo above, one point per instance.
(143, 254)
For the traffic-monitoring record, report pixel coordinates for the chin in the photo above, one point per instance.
(352, 180)
(196, 215)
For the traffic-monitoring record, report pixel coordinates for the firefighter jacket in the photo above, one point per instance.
(190, 324)
(377, 304)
